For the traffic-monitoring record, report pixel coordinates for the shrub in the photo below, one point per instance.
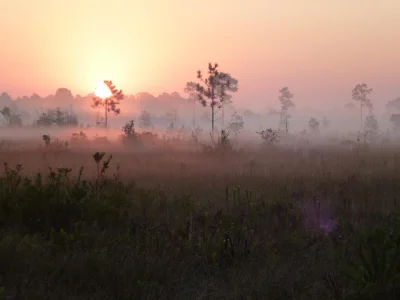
(269, 137)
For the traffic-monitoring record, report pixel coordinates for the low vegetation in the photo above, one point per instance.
(190, 219)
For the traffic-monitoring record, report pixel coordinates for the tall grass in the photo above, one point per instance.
(170, 223)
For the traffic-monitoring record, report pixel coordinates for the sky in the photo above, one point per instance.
(320, 49)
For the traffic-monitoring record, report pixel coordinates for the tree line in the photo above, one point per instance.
(214, 90)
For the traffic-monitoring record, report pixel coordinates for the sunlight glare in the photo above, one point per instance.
(102, 90)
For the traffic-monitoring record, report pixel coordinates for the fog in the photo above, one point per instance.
(178, 112)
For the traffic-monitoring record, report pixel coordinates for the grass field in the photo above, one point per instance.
(174, 221)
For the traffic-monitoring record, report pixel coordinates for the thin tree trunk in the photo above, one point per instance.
(194, 114)
(212, 119)
(106, 115)
(212, 109)
(223, 117)
(175, 119)
(361, 120)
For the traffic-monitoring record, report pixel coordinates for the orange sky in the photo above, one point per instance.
(319, 48)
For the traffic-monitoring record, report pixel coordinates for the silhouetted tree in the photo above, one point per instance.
(110, 103)
(5, 99)
(57, 117)
(371, 126)
(213, 90)
(64, 96)
(236, 123)
(129, 133)
(361, 93)
(172, 118)
(35, 97)
(6, 112)
(269, 136)
(313, 124)
(286, 100)
(10, 117)
(145, 120)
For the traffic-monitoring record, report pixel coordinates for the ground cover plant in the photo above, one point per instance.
(187, 220)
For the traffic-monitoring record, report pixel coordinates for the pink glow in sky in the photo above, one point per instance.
(319, 48)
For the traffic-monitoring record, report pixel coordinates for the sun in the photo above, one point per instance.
(102, 90)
